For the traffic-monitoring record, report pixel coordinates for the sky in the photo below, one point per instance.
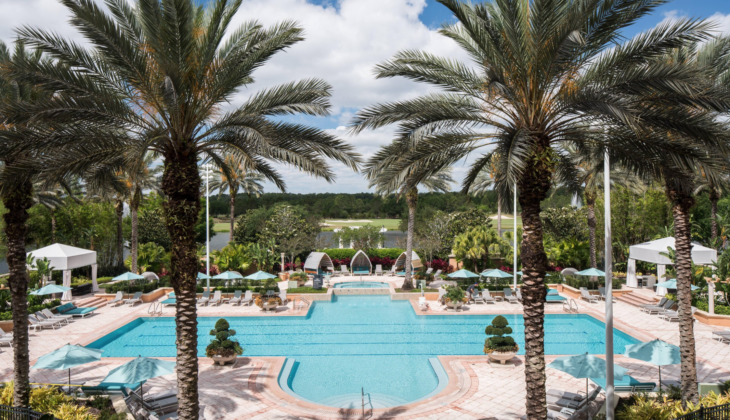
(344, 40)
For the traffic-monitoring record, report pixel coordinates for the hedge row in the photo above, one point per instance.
(342, 253)
(7, 316)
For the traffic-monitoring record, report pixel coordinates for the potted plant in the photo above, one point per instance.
(500, 346)
(454, 298)
(267, 303)
(222, 349)
(300, 278)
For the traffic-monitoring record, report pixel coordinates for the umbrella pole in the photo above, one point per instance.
(660, 378)
(69, 380)
(586, 387)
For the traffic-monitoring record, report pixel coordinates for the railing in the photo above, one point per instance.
(568, 306)
(18, 413)
(154, 309)
(718, 412)
(301, 304)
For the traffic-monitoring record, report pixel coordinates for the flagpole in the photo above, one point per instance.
(207, 228)
(514, 237)
(609, 287)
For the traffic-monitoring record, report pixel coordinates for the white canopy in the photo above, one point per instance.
(317, 260)
(651, 252)
(66, 258)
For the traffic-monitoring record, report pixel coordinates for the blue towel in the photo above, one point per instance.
(627, 382)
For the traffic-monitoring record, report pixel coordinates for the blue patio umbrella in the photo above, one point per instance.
(672, 284)
(228, 275)
(519, 273)
(657, 352)
(586, 366)
(128, 276)
(260, 275)
(463, 274)
(50, 289)
(496, 273)
(591, 272)
(202, 276)
(67, 357)
(140, 370)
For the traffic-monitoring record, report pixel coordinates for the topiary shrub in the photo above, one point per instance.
(498, 341)
(222, 345)
(455, 294)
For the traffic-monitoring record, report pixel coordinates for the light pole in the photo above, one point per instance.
(514, 239)
(609, 287)
(207, 227)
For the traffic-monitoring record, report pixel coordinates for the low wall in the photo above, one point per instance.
(712, 319)
(575, 293)
(310, 296)
(361, 291)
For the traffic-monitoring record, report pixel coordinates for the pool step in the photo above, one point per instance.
(637, 299)
(354, 401)
(90, 302)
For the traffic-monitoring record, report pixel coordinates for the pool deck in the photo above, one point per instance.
(476, 389)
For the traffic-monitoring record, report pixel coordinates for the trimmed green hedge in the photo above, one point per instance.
(584, 281)
(719, 309)
(8, 316)
(340, 253)
(306, 290)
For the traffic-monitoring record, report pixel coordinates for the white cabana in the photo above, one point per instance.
(318, 263)
(66, 258)
(651, 252)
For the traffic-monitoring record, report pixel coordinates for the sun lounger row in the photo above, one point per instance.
(721, 336)
(152, 406)
(217, 298)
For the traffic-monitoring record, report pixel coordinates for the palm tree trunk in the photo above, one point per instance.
(714, 197)
(134, 245)
(533, 189)
(119, 208)
(17, 202)
(681, 205)
(233, 214)
(181, 184)
(499, 214)
(411, 201)
(591, 204)
(53, 226)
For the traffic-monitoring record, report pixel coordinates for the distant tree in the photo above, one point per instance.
(364, 237)
(474, 245)
(465, 221)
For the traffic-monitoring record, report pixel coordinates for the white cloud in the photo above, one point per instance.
(722, 21)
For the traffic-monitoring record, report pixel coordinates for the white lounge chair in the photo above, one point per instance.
(205, 298)
(566, 395)
(247, 298)
(137, 298)
(586, 295)
(282, 296)
(344, 271)
(378, 269)
(422, 303)
(508, 295)
(391, 273)
(43, 317)
(602, 294)
(442, 293)
(652, 310)
(519, 295)
(35, 323)
(118, 300)
(47, 312)
(6, 338)
(429, 271)
(488, 297)
(216, 299)
(669, 316)
(437, 274)
(477, 298)
(236, 299)
(720, 336)
(661, 303)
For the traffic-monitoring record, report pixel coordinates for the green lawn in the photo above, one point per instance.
(506, 223)
(390, 224)
(222, 227)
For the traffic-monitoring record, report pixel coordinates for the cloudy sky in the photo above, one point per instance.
(344, 41)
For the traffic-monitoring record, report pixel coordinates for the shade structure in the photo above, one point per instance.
(260, 275)
(462, 274)
(400, 263)
(657, 352)
(128, 276)
(50, 289)
(672, 284)
(67, 357)
(586, 366)
(65, 258)
(360, 263)
(202, 276)
(150, 276)
(496, 273)
(318, 263)
(228, 275)
(592, 272)
(140, 370)
(651, 252)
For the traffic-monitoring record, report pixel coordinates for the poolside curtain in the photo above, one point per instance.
(360, 263)
(94, 284)
(631, 280)
(66, 283)
(661, 270)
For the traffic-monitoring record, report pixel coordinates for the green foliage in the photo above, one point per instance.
(499, 339)
(298, 277)
(263, 256)
(465, 221)
(49, 400)
(585, 281)
(341, 253)
(35, 304)
(566, 223)
(569, 252)
(476, 245)
(454, 294)
(250, 224)
(223, 345)
(136, 286)
(150, 257)
(232, 257)
(200, 225)
(152, 228)
(306, 290)
(366, 237)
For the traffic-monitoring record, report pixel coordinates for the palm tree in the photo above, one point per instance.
(141, 175)
(485, 181)
(385, 181)
(52, 197)
(157, 78)
(235, 179)
(542, 76)
(715, 187)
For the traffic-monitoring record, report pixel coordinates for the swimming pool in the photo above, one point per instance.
(361, 285)
(367, 342)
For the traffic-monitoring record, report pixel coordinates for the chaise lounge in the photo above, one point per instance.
(71, 309)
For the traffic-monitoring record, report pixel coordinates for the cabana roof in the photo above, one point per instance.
(360, 263)
(315, 260)
(415, 261)
(651, 252)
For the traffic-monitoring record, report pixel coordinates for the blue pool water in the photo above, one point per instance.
(361, 285)
(367, 342)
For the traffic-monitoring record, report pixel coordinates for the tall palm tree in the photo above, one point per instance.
(237, 178)
(487, 180)
(378, 171)
(157, 77)
(543, 74)
(140, 176)
(715, 187)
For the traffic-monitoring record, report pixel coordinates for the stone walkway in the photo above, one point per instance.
(476, 390)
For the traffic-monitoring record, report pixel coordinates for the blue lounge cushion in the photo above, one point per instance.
(64, 308)
(361, 272)
(552, 292)
(110, 388)
(627, 382)
(79, 311)
(171, 301)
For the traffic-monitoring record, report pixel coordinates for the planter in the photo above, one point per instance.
(269, 306)
(502, 357)
(222, 360)
(454, 305)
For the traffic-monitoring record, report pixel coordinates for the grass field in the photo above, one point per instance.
(222, 227)
(506, 223)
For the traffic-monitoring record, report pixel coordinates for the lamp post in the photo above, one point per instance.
(514, 238)
(609, 287)
(207, 227)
